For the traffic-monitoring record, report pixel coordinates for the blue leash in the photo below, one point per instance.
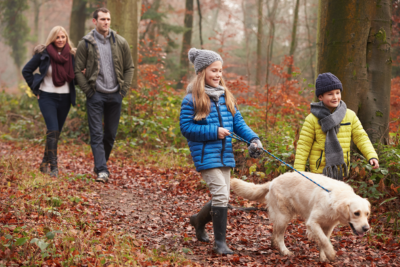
(237, 137)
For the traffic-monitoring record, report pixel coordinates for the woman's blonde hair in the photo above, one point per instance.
(201, 101)
(53, 36)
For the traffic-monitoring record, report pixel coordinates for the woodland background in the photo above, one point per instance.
(273, 51)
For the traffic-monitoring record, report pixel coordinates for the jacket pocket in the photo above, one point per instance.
(346, 123)
(318, 163)
(202, 151)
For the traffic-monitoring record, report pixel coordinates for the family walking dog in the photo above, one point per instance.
(102, 66)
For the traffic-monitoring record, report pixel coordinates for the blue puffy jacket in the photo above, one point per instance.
(206, 149)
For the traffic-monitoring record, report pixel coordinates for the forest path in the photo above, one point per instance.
(154, 205)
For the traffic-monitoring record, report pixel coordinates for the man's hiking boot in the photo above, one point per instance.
(102, 177)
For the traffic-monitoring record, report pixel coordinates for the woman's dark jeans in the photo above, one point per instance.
(55, 108)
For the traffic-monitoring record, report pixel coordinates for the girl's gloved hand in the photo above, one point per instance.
(255, 148)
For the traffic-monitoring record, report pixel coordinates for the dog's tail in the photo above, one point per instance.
(250, 191)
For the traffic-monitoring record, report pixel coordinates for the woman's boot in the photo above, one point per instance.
(44, 166)
(52, 152)
(199, 221)
(219, 218)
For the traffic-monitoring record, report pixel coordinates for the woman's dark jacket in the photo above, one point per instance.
(41, 59)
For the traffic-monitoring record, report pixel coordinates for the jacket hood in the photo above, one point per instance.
(39, 49)
(189, 88)
(90, 37)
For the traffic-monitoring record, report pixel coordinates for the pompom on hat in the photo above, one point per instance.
(327, 82)
(201, 59)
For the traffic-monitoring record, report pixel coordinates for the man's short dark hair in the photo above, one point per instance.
(100, 9)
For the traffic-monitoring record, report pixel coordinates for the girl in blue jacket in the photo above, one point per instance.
(208, 116)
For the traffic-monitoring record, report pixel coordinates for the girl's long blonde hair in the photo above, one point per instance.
(53, 36)
(201, 101)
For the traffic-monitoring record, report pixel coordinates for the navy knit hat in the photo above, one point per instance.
(201, 59)
(327, 82)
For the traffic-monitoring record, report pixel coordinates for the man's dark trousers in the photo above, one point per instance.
(109, 106)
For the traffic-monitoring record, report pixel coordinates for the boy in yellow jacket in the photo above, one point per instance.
(328, 130)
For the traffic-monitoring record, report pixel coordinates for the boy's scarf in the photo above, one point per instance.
(214, 92)
(61, 64)
(330, 124)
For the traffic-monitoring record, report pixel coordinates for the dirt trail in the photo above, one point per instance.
(155, 205)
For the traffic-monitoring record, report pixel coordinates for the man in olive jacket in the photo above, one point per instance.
(104, 71)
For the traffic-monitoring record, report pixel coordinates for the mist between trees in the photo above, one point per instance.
(272, 50)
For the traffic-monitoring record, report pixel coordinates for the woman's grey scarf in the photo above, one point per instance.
(330, 124)
(214, 92)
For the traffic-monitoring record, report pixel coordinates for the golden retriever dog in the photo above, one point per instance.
(291, 194)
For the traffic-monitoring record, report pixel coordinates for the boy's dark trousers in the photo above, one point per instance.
(98, 106)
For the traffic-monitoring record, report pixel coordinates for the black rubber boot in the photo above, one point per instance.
(199, 221)
(44, 166)
(219, 218)
(53, 136)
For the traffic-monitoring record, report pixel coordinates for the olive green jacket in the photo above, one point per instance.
(88, 57)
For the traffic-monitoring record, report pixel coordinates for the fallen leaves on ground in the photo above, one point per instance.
(144, 210)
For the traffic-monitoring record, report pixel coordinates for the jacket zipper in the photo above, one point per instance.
(318, 163)
(202, 151)
(221, 125)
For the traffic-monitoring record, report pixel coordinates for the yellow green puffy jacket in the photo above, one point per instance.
(312, 142)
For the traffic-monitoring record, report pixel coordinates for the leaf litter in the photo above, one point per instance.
(152, 206)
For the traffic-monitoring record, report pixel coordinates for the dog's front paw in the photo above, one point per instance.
(322, 257)
(327, 254)
(286, 252)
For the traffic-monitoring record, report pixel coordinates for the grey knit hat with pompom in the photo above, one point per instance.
(201, 59)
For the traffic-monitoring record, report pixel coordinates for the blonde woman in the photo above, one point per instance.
(54, 87)
(208, 116)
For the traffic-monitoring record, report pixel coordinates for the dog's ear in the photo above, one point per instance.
(369, 204)
(344, 211)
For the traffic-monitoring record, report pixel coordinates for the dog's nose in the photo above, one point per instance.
(365, 228)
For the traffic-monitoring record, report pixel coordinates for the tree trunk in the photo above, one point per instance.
(36, 11)
(259, 43)
(246, 36)
(294, 31)
(354, 44)
(310, 44)
(271, 36)
(15, 29)
(77, 22)
(153, 26)
(270, 46)
(125, 16)
(186, 42)
(200, 23)
(215, 15)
